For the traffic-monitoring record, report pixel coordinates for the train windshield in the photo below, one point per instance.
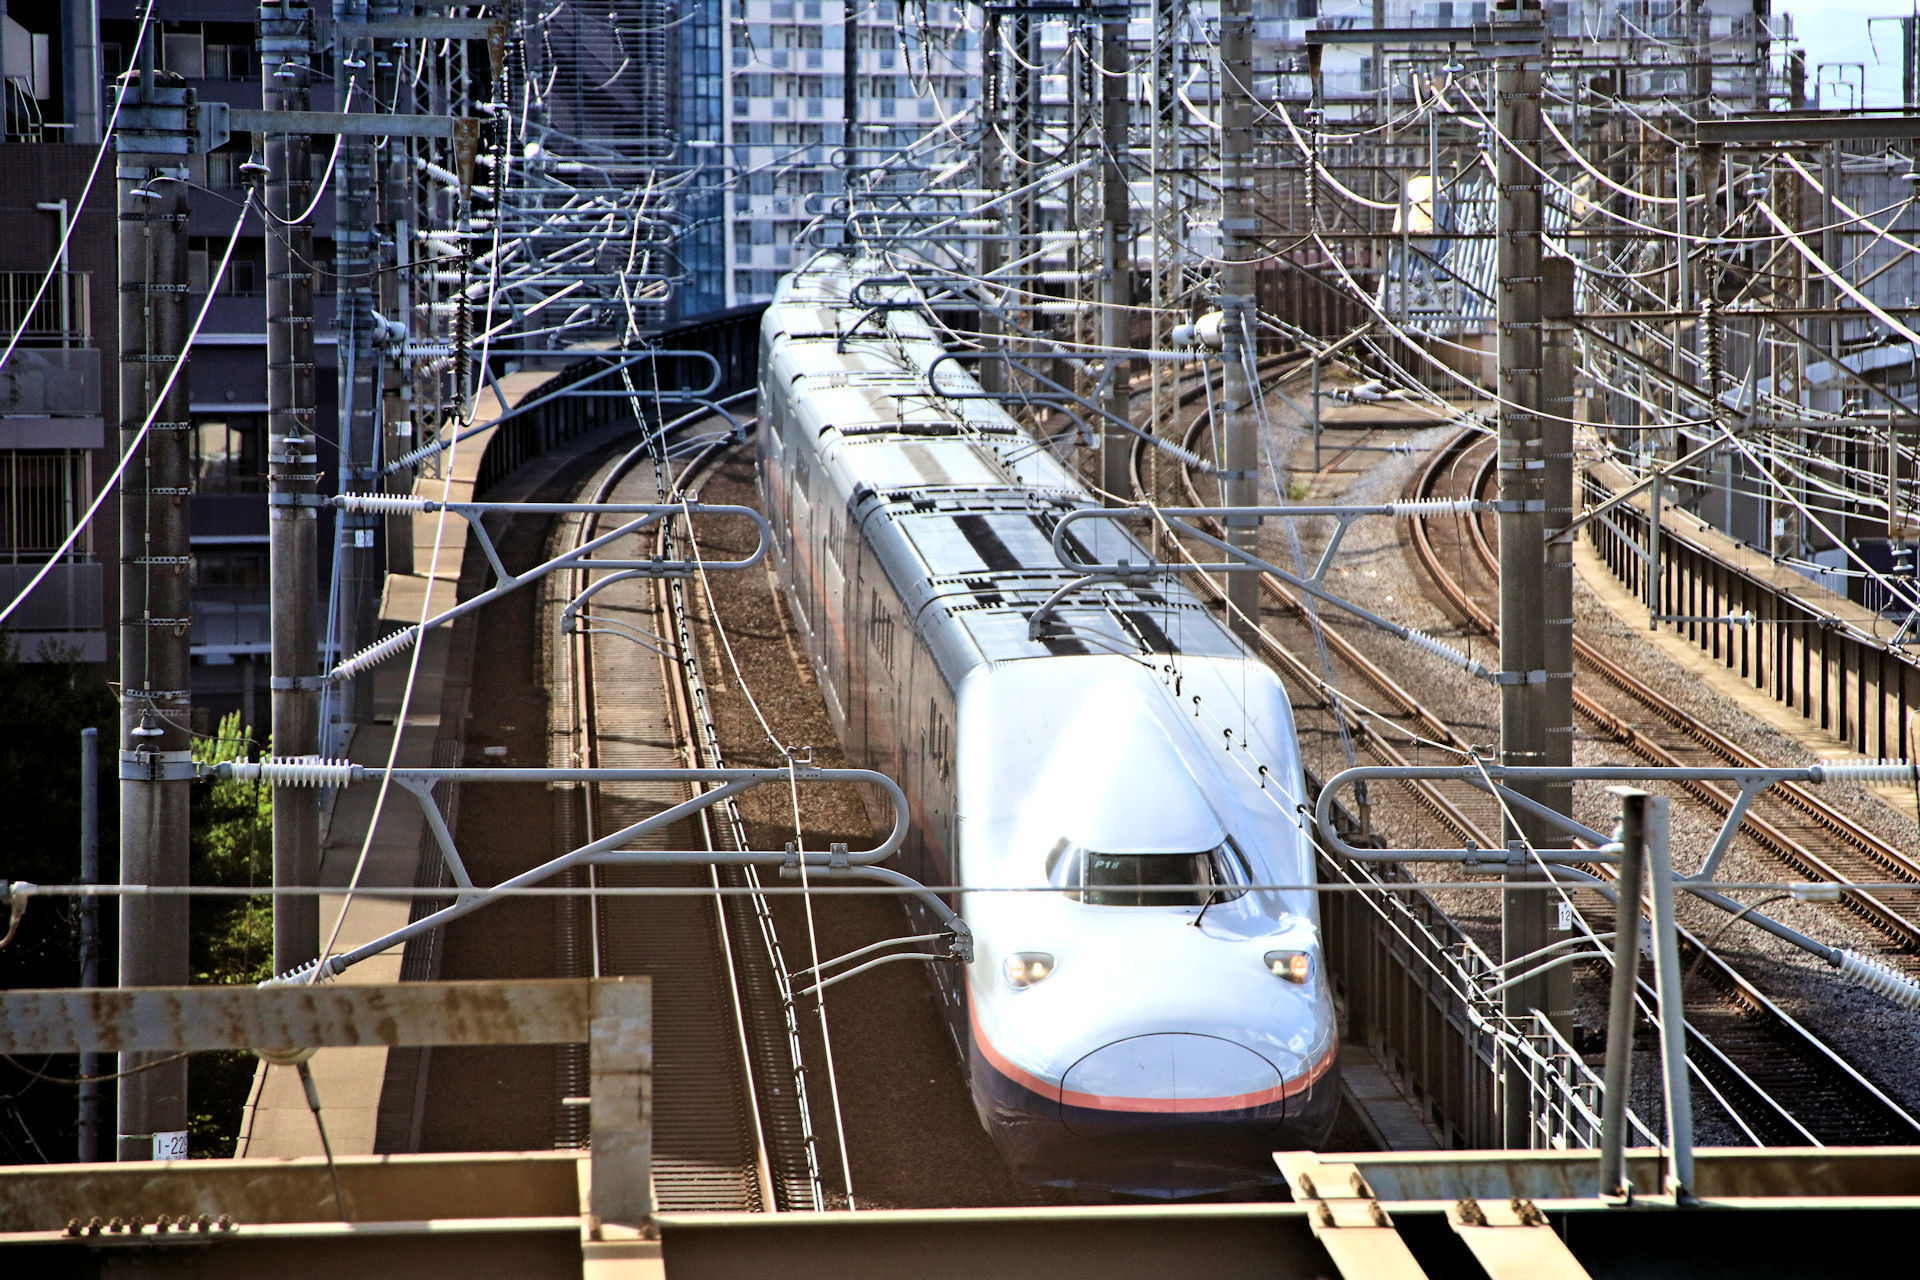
(1148, 879)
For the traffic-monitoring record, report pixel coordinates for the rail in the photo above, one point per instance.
(1858, 686)
(1416, 987)
(1774, 1080)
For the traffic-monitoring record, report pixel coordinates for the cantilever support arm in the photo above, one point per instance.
(1060, 397)
(1244, 561)
(647, 515)
(609, 850)
(1556, 860)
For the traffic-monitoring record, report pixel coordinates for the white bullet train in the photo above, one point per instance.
(1119, 1037)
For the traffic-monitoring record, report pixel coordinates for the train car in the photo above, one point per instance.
(1119, 1035)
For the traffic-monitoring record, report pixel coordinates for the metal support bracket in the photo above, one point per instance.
(1562, 862)
(157, 766)
(613, 1016)
(609, 850)
(1181, 520)
(645, 516)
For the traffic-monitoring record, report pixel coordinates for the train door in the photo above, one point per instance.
(930, 763)
(834, 639)
(773, 477)
(800, 539)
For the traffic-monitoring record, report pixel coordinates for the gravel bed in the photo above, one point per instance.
(1377, 570)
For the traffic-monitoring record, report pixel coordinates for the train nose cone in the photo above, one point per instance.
(1170, 1079)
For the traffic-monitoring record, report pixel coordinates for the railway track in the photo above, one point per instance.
(1775, 1081)
(1774, 1078)
(730, 1131)
(1790, 821)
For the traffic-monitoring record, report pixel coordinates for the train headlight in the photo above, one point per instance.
(1026, 968)
(1291, 966)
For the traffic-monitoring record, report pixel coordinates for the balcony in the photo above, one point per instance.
(69, 598)
(59, 316)
(39, 382)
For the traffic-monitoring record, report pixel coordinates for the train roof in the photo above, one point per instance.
(958, 500)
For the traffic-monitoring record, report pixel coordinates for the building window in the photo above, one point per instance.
(42, 492)
(243, 278)
(227, 454)
(232, 608)
(231, 62)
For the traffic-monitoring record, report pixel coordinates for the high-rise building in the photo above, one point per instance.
(786, 152)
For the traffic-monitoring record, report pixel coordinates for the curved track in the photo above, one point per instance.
(728, 1134)
(1790, 821)
(1776, 1082)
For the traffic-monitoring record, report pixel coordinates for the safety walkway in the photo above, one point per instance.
(277, 1121)
(1714, 673)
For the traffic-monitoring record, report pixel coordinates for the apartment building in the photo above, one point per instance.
(783, 105)
(59, 394)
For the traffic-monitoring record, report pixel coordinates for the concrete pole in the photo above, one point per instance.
(156, 711)
(850, 90)
(1559, 358)
(992, 373)
(286, 42)
(366, 433)
(1116, 259)
(1239, 425)
(87, 1148)
(80, 32)
(1527, 919)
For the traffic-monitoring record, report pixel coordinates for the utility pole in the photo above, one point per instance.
(1239, 425)
(80, 32)
(1527, 736)
(850, 95)
(88, 1128)
(156, 713)
(286, 54)
(992, 374)
(1116, 264)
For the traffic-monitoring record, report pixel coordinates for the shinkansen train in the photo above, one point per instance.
(1108, 788)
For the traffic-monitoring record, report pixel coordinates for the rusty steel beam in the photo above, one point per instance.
(613, 1016)
(186, 1019)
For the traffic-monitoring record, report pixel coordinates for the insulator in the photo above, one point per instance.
(1865, 971)
(1434, 507)
(438, 173)
(1710, 337)
(376, 653)
(1440, 649)
(301, 975)
(389, 504)
(1870, 772)
(298, 771)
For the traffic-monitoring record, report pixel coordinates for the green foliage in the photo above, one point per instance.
(232, 938)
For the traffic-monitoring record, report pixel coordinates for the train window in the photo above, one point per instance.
(1126, 879)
